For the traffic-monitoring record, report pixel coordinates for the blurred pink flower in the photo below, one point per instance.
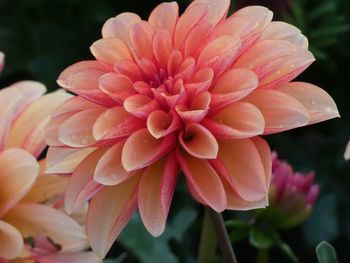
(174, 93)
(292, 194)
(2, 60)
(25, 192)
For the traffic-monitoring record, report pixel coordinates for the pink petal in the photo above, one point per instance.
(162, 47)
(232, 86)
(40, 220)
(28, 122)
(103, 231)
(77, 131)
(217, 9)
(239, 120)
(285, 31)
(141, 35)
(129, 69)
(117, 86)
(164, 17)
(119, 26)
(19, 171)
(141, 149)
(75, 257)
(198, 141)
(160, 123)
(281, 111)
(156, 189)
(52, 129)
(200, 81)
(2, 61)
(114, 123)
(110, 50)
(60, 160)
(11, 242)
(203, 181)
(319, 105)
(219, 53)
(109, 169)
(295, 63)
(264, 56)
(140, 106)
(81, 186)
(239, 162)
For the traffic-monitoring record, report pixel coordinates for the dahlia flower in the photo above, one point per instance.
(186, 93)
(291, 195)
(25, 192)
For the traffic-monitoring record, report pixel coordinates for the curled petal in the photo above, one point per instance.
(198, 108)
(285, 31)
(77, 131)
(142, 149)
(109, 169)
(114, 123)
(110, 50)
(155, 193)
(11, 241)
(240, 163)
(200, 81)
(160, 123)
(19, 171)
(199, 142)
(81, 186)
(239, 120)
(204, 182)
(232, 86)
(140, 106)
(319, 105)
(281, 111)
(60, 160)
(164, 17)
(40, 220)
(118, 27)
(103, 230)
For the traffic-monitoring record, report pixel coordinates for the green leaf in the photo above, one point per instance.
(285, 248)
(181, 222)
(261, 239)
(326, 253)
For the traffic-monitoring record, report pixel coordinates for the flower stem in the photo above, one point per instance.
(222, 236)
(208, 241)
(263, 256)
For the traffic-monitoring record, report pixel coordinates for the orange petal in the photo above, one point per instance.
(118, 27)
(110, 50)
(77, 131)
(281, 111)
(103, 230)
(160, 123)
(60, 160)
(19, 171)
(28, 130)
(239, 120)
(114, 123)
(117, 86)
(109, 169)
(203, 181)
(197, 38)
(240, 163)
(52, 129)
(40, 220)
(164, 17)
(155, 193)
(11, 242)
(141, 35)
(140, 106)
(200, 81)
(81, 186)
(141, 149)
(285, 31)
(317, 102)
(162, 47)
(198, 141)
(129, 69)
(217, 9)
(232, 86)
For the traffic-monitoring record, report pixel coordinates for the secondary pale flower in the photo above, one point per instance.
(187, 93)
(2, 60)
(291, 195)
(24, 189)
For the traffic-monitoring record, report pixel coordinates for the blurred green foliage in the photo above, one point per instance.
(42, 37)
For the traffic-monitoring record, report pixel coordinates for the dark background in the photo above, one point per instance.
(42, 37)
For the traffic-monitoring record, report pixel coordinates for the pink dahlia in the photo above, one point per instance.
(26, 193)
(186, 93)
